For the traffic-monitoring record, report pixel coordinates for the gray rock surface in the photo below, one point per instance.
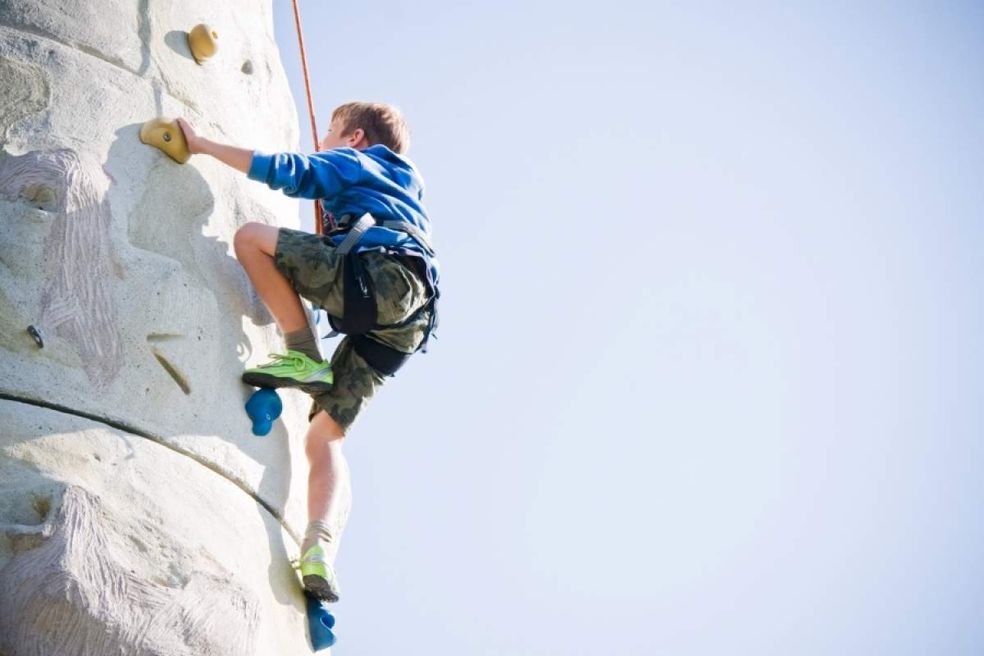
(138, 513)
(115, 544)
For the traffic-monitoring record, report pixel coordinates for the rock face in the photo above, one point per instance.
(138, 513)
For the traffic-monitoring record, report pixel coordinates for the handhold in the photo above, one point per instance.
(263, 407)
(320, 623)
(203, 42)
(164, 133)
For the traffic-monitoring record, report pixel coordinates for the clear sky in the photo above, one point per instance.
(709, 373)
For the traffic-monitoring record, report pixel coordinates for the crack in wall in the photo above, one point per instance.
(133, 430)
(144, 32)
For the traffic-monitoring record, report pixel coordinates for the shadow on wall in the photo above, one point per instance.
(177, 40)
(202, 318)
(169, 220)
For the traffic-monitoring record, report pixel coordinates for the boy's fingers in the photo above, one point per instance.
(189, 134)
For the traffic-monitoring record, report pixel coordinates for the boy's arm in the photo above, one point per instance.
(322, 175)
(238, 158)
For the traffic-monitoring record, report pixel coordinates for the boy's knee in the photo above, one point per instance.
(243, 238)
(324, 436)
(254, 236)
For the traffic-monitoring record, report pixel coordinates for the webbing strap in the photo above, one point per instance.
(413, 231)
(366, 221)
(355, 233)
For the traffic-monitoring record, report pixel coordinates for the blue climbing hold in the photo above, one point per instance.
(320, 623)
(263, 407)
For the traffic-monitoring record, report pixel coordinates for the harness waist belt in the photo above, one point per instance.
(366, 221)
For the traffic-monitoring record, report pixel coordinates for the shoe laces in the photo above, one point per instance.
(291, 357)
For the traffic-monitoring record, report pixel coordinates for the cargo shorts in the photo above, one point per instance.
(314, 268)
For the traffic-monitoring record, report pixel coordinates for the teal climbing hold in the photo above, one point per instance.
(263, 407)
(320, 623)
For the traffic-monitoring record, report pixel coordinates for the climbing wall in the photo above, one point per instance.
(138, 513)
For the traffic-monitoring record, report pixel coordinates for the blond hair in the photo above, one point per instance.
(382, 124)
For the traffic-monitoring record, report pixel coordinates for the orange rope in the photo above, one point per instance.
(310, 104)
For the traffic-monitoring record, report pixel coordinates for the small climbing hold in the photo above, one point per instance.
(36, 334)
(203, 42)
(165, 134)
(263, 407)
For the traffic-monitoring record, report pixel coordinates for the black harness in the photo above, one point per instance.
(360, 314)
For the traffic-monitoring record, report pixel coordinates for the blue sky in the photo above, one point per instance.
(708, 378)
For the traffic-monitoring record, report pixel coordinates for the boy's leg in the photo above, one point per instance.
(329, 476)
(329, 501)
(256, 248)
(255, 245)
(399, 294)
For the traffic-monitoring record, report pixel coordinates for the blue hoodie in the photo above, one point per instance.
(350, 181)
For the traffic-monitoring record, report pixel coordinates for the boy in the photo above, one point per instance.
(374, 274)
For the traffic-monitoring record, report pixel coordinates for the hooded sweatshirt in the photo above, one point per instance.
(349, 181)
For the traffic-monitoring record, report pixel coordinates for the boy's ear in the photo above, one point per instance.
(356, 138)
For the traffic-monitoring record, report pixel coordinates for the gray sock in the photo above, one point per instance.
(303, 340)
(316, 532)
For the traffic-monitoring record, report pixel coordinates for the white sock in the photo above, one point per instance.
(316, 532)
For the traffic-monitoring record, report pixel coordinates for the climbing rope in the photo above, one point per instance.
(318, 228)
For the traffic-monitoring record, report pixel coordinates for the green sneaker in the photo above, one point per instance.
(292, 370)
(317, 575)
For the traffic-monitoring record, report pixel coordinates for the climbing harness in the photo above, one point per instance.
(310, 105)
(359, 309)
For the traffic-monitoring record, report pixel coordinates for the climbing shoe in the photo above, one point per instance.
(292, 370)
(317, 575)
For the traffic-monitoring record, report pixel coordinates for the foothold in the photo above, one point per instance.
(36, 334)
(247, 67)
(320, 623)
(164, 133)
(263, 407)
(203, 42)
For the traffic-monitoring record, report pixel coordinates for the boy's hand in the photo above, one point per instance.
(194, 141)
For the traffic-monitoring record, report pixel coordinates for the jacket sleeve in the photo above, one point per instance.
(321, 175)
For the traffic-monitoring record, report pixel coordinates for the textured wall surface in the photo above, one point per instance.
(138, 513)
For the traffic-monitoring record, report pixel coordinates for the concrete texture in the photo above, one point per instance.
(113, 543)
(121, 259)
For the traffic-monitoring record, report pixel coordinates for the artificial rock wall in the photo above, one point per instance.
(138, 513)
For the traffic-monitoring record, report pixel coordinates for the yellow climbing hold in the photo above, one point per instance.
(164, 133)
(203, 42)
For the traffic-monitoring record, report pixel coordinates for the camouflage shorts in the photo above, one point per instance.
(315, 270)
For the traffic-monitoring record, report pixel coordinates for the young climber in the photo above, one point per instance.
(374, 274)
